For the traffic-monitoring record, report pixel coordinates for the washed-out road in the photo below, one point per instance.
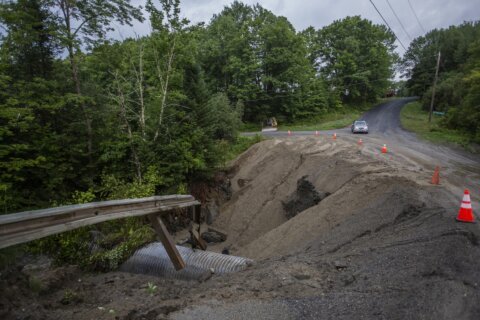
(459, 169)
(423, 265)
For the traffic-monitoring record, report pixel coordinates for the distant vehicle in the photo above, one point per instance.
(270, 125)
(390, 93)
(359, 126)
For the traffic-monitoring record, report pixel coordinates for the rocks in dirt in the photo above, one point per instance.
(242, 182)
(302, 276)
(214, 236)
(154, 313)
(304, 197)
(409, 212)
(41, 264)
(43, 278)
(340, 265)
(223, 184)
(211, 212)
(347, 279)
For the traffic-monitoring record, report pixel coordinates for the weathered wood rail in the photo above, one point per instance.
(26, 226)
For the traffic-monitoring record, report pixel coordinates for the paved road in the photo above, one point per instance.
(385, 118)
(382, 119)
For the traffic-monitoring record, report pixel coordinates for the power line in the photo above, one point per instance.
(399, 21)
(388, 25)
(436, 38)
(416, 17)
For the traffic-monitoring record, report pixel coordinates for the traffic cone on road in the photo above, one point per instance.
(360, 142)
(289, 133)
(384, 148)
(334, 136)
(466, 213)
(436, 176)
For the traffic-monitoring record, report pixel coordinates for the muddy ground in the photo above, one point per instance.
(373, 239)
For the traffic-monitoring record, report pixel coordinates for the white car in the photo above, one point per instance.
(360, 126)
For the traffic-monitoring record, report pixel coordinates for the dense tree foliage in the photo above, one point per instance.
(356, 58)
(257, 57)
(81, 112)
(260, 59)
(458, 87)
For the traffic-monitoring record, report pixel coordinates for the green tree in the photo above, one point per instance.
(83, 23)
(357, 58)
(28, 44)
(457, 88)
(258, 58)
(26, 102)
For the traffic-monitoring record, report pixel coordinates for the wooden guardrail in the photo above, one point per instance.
(26, 226)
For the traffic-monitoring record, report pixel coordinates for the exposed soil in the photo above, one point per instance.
(305, 196)
(383, 244)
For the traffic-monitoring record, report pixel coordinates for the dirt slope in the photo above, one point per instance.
(268, 174)
(384, 244)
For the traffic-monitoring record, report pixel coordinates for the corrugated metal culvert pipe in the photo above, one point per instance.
(153, 260)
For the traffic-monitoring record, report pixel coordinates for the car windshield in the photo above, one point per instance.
(360, 123)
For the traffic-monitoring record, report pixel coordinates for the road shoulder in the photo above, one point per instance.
(413, 118)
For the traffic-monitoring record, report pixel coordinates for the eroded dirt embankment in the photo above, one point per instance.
(375, 241)
(371, 189)
(384, 240)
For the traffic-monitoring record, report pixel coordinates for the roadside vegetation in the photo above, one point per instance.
(334, 119)
(458, 87)
(415, 119)
(241, 144)
(84, 117)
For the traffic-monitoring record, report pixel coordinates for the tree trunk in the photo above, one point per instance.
(78, 90)
(120, 98)
(164, 88)
(65, 7)
(140, 79)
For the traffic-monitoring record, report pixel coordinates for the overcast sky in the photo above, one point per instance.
(319, 13)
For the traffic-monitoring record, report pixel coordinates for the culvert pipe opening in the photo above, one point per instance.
(154, 260)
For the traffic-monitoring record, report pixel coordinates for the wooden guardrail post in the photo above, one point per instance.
(167, 241)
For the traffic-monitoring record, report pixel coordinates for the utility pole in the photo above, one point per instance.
(433, 90)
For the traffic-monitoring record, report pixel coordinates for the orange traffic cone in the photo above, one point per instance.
(466, 213)
(436, 176)
(360, 142)
(384, 148)
(316, 133)
(289, 133)
(334, 136)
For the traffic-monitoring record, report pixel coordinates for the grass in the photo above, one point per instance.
(230, 150)
(340, 118)
(415, 119)
(250, 127)
(327, 122)
(151, 288)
